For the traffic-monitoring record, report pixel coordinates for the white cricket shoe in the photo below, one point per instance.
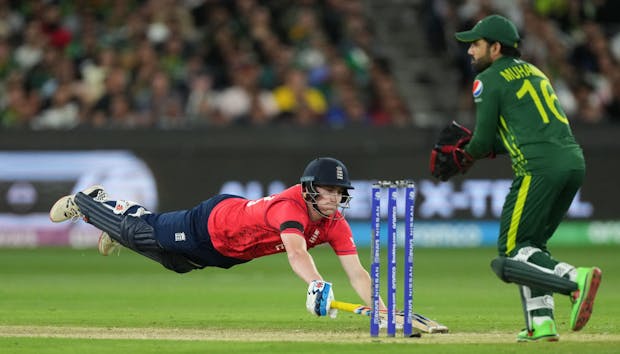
(65, 207)
(107, 245)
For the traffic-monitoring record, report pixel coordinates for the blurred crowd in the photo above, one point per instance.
(175, 64)
(189, 63)
(575, 42)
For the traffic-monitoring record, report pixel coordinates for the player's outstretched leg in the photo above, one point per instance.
(121, 224)
(65, 208)
(107, 245)
(588, 280)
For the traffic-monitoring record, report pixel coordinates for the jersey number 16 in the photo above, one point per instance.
(551, 100)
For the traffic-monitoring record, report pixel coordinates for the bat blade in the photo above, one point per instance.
(420, 323)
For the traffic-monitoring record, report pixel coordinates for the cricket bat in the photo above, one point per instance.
(420, 323)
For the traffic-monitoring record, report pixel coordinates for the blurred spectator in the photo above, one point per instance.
(299, 102)
(201, 103)
(115, 85)
(613, 107)
(121, 111)
(30, 52)
(590, 107)
(11, 22)
(161, 104)
(96, 79)
(388, 108)
(585, 55)
(58, 36)
(7, 64)
(349, 109)
(63, 112)
(244, 102)
(302, 24)
(19, 106)
(41, 77)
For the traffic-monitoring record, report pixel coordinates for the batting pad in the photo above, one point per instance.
(100, 215)
(131, 232)
(522, 273)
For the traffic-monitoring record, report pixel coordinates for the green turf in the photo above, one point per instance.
(78, 288)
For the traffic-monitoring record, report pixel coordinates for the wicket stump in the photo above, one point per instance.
(375, 269)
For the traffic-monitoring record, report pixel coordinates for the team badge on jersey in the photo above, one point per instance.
(476, 89)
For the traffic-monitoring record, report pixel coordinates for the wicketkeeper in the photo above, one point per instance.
(517, 112)
(227, 230)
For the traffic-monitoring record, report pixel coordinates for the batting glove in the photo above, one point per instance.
(319, 299)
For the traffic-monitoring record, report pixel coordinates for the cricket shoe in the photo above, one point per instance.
(588, 280)
(543, 331)
(107, 245)
(65, 207)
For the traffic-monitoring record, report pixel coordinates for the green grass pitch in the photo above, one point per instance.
(58, 300)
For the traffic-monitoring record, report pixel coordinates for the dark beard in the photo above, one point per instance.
(482, 64)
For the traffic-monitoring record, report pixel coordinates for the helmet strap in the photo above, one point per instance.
(310, 194)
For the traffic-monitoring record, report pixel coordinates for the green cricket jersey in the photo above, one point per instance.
(517, 111)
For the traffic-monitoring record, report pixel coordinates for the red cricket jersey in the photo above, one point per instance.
(248, 229)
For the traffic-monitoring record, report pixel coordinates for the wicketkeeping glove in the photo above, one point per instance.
(448, 157)
(319, 299)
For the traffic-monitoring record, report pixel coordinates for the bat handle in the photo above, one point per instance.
(355, 308)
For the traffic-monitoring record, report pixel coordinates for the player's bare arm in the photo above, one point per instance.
(298, 257)
(358, 277)
(320, 294)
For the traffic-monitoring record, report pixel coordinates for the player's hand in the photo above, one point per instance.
(448, 157)
(319, 298)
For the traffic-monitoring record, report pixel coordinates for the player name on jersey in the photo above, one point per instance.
(520, 71)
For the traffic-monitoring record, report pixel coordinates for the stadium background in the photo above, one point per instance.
(170, 102)
(167, 102)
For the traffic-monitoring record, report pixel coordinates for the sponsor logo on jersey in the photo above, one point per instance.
(179, 236)
(314, 236)
(476, 89)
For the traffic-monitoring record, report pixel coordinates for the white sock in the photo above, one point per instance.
(538, 320)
